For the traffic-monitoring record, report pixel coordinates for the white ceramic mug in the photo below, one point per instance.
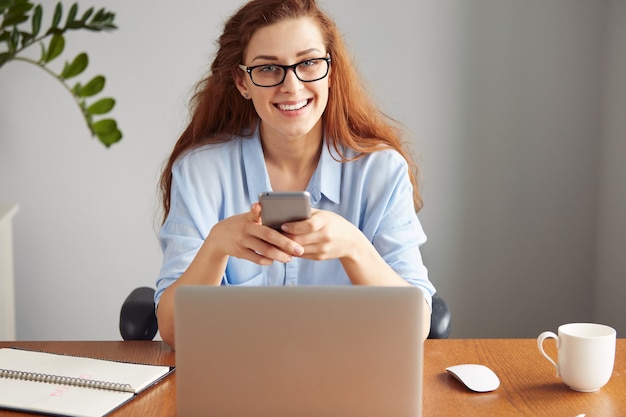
(586, 353)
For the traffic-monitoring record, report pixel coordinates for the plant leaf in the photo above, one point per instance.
(57, 44)
(4, 57)
(98, 15)
(27, 38)
(101, 106)
(102, 20)
(37, 14)
(14, 40)
(110, 138)
(43, 52)
(93, 87)
(77, 66)
(71, 15)
(12, 21)
(5, 4)
(17, 13)
(58, 13)
(104, 126)
(74, 24)
(86, 15)
(76, 89)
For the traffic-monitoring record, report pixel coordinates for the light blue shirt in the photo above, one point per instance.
(216, 181)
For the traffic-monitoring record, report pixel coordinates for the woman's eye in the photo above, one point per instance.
(267, 68)
(308, 63)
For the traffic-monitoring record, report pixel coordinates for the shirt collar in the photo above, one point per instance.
(326, 179)
(257, 178)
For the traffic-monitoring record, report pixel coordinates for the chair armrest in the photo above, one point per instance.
(440, 319)
(137, 317)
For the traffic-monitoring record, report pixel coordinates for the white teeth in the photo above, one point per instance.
(291, 107)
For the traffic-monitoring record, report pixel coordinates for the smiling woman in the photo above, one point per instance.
(290, 108)
(283, 109)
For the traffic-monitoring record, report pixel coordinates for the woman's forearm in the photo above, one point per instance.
(365, 266)
(207, 268)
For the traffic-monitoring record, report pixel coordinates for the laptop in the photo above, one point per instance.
(343, 351)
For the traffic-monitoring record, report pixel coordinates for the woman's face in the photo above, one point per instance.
(294, 108)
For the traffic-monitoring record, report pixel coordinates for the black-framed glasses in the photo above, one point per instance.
(271, 75)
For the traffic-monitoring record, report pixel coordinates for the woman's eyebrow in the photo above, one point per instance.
(275, 58)
(308, 51)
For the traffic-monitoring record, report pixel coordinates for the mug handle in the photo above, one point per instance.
(548, 335)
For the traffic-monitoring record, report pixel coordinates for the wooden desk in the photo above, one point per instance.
(528, 383)
(528, 388)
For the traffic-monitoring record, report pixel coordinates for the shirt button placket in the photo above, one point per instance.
(291, 272)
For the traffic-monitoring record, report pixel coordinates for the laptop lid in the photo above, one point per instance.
(298, 351)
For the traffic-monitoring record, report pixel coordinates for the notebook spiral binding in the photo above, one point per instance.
(65, 380)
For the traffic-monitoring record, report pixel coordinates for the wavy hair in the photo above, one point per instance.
(219, 113)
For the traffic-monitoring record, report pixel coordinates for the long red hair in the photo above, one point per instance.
(351, 119)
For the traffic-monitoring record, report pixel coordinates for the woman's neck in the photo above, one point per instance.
(291, 161)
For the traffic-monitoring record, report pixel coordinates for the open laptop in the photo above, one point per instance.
(344, 351)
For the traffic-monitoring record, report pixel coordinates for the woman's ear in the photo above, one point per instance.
(240, 82)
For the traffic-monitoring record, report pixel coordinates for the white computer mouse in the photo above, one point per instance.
(478, 378)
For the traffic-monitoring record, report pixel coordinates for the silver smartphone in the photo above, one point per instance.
(284, 207)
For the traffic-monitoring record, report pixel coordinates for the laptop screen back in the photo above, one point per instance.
(298, 351)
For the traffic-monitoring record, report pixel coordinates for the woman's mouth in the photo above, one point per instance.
(292, 107)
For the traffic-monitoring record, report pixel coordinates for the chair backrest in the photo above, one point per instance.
(440, 319)
(138, 320)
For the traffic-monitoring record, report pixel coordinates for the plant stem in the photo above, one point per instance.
(77, 100)
(30, 43)
(13, 54)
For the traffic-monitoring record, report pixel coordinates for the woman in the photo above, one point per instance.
(283, 110)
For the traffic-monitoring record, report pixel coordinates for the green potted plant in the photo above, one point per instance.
(20, 28)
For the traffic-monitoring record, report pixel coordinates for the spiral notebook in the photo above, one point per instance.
(70, 385)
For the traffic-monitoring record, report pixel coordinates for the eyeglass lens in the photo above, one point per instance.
(309, 70)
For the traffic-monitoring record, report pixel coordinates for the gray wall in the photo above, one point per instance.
(515, 108)
(610, 282)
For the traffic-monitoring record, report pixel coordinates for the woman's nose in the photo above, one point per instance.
(291, 82)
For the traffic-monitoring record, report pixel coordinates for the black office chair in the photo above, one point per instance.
(138, 321)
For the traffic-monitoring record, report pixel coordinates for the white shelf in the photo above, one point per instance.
(7, 283)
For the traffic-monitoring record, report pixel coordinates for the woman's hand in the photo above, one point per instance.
(326, 235)
(243, 236)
